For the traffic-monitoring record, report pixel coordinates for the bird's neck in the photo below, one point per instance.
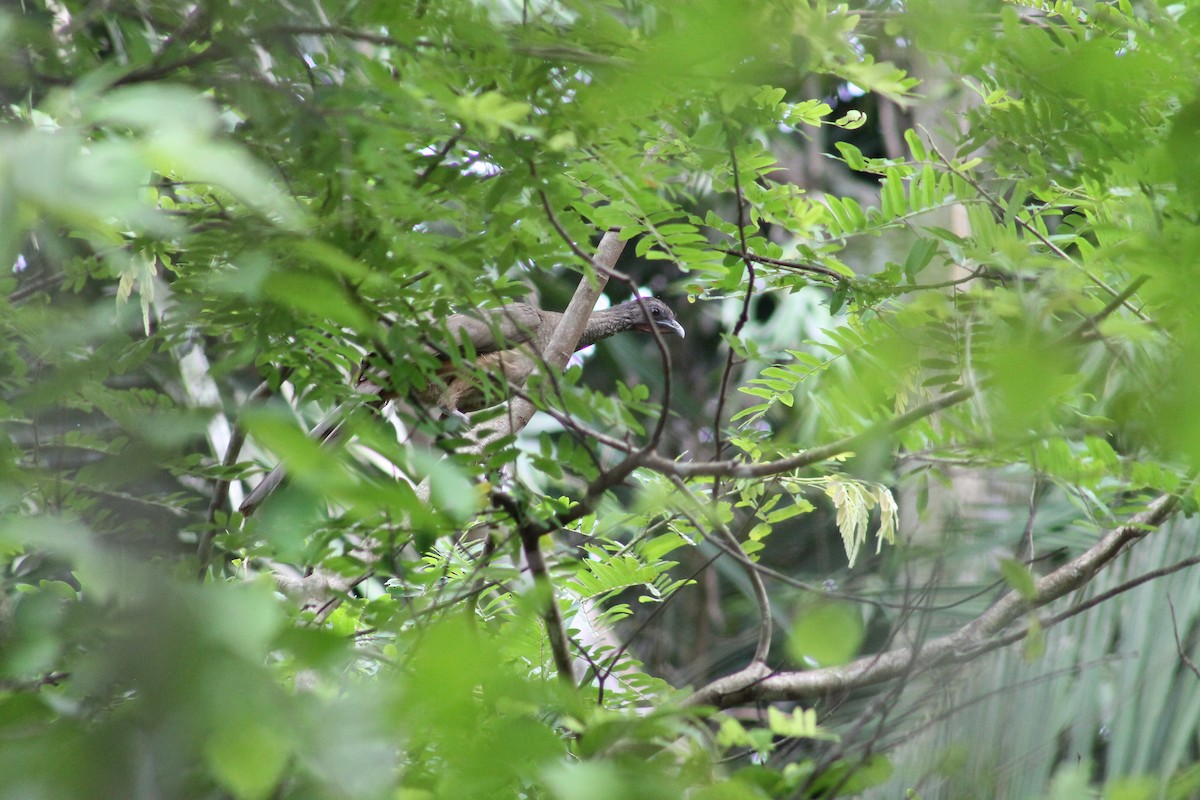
(604, 323)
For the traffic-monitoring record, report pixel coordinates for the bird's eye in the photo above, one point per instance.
(655, 311)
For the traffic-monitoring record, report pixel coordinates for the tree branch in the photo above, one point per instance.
(743, 317)
(796, 266)
(815, 455)
(1183, 656)
(755, 683)
(562, 344)
(732, 547)
(543, 587)
(1032, 230)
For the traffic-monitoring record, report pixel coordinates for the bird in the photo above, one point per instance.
(508, 344)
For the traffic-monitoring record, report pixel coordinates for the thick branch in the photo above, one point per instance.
(756, 684)
(555, 357)
(544, 588)
(562, 344)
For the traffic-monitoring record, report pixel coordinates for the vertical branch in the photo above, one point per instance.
(718, 445)
(221, 488)
(562, 344)
(609, 271)
(730, 545)
(544, 589)
(556, 354)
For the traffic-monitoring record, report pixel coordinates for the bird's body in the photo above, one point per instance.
(508, 344)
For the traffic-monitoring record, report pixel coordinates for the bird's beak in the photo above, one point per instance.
(670, 326)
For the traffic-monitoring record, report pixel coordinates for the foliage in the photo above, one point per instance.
(217, 211)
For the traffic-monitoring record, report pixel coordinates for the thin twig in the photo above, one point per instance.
(808, 457)
(733, 548)
(607, 270)
(438, 158)
(220, 494)
(35, 286)
(1031, 229)
(611, 272)
(743, 317)
(1183, 656)
(1026, 548)
(855, 441)
(153, 72)
(615, 658)
(817, 269)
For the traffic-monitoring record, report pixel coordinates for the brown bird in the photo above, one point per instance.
(508, 344)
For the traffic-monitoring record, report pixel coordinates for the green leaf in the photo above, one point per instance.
(809, 112)
(450, 491)
(915, 145)
(1018, 576)
(248, 758)
(493, 112)
(853, 777)
(1131, 787)
(852, 155)
(851, 120)
(800, 724)
(180, 129)
(1070, 781)
(919, 256)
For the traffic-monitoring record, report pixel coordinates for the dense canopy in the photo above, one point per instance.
(908, 510)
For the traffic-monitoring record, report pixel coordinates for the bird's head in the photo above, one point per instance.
(656, 315)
